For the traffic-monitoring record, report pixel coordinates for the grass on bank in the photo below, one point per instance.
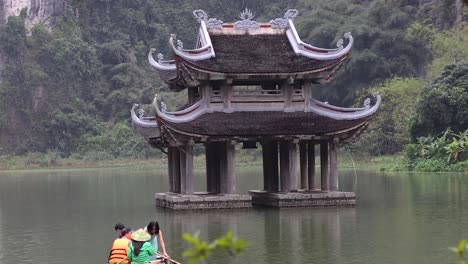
(244, 159)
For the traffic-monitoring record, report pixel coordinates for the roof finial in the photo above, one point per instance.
(200, 15)
(246, 21)
(210, 22)
(283, 22)
(246, 14)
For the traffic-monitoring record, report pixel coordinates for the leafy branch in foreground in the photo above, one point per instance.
(202, 250)
(460, 250)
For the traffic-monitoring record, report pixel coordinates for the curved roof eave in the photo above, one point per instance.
(340, 113)
(202, 53)
(337, 113)
(197, 67)
(183, 116)
(309, 51)
(139, 121)
(162, 65)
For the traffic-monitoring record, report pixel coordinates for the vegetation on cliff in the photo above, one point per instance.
(68, 90)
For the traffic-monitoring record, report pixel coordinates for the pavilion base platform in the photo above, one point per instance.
(202, 201)
(303, 199)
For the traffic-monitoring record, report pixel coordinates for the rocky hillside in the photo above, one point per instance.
(37, 10)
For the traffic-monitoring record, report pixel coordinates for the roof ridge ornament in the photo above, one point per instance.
(246, 22)
(201, 15)
(160, 57)
(340, 42)
(283, 22)
(141, 113)
(367, 103)
(180, 44)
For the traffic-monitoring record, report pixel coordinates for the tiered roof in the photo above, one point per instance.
(198, 123)
(246, 50)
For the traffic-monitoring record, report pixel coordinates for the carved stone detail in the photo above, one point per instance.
(339, 44)
(367, 103)
(210, 22)
(180, 44)
(160, 57)
(141, 113)
(283, 22)
(246, 22)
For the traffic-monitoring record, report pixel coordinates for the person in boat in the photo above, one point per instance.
(140, 249)
(118, 228)
(156, 239)
(119, 251)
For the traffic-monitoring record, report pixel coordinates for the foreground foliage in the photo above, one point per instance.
(201, 250)
(460, 252)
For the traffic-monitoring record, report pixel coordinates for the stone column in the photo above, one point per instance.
(333, 165)
(170, 167)
(206, 91)
(228, 177)
(173, 156)
(226, 93)
(325, 178)
(186, 169)
(288, 166)
(293, 164)
(176, 169)
(307, 90)
(303, 162)
(211, 165)
(287, 89)
(191, 95)
(311, 164)
(270, 166)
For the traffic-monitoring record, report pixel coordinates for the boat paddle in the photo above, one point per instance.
(171, 260)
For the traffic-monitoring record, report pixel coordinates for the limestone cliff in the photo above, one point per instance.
(38, 10)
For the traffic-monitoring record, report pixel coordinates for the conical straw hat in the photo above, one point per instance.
(141, 235)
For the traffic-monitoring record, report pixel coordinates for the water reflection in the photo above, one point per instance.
(68, 216)
(2, 249)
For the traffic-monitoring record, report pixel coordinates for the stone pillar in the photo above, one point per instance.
(186, 169)
(170, 167)
(311, 164)
(303, 162)
(206, 91)
(211, 164)
(173, 156)
(270, 166)
(333, 165)
(325, 178)
(226, 93)
(227, 175)
(288, 166)
(287, 89)
(176, 169)
(191, 95)
(293, 164)
(307, 91)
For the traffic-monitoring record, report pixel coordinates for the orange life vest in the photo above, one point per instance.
(119, 251)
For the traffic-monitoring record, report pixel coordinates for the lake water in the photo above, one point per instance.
(68, 217)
